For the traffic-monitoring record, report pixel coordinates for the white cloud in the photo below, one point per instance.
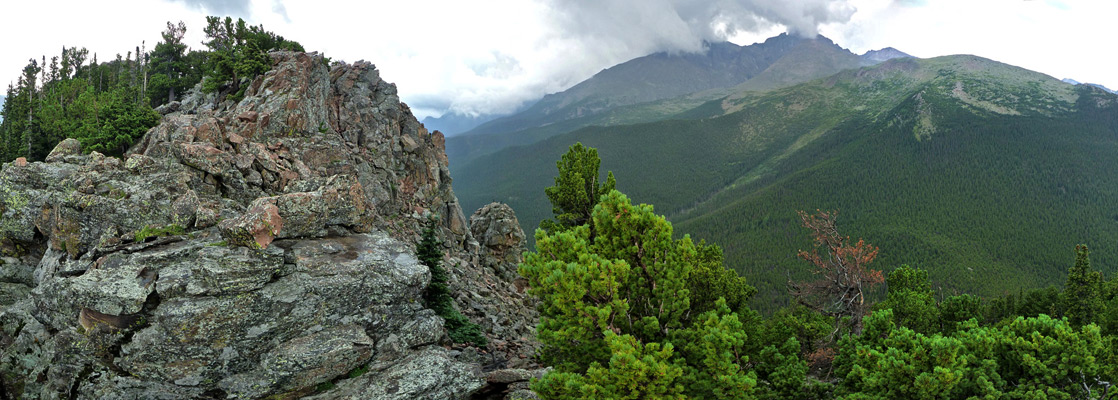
(495, 55)
(1063, 39)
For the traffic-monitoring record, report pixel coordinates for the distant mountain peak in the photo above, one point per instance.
(883, 55)
(1075, 82)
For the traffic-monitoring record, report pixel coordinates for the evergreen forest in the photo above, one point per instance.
(109, 104)
(631, 309)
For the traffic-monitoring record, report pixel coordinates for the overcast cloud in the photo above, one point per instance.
(494, 56)
(234, 8)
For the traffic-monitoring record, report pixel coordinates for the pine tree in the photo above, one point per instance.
(576, 189)
(632, 281)
(238, 52)
(168, 61)
(911, 298)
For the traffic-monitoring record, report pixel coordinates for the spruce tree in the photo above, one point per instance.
(1083, 292)
(438, 296)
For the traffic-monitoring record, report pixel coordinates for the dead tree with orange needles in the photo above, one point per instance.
(843, 279)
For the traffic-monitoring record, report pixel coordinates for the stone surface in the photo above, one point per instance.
(68, 147)
(496, 228)
(253, 249)
(257, 227)
(427, 374)
(507, 376)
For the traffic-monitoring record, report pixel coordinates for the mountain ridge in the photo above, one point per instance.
(770, 140)
(795, 58)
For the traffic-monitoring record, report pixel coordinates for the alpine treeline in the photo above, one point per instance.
(107, 105)
(630, 311)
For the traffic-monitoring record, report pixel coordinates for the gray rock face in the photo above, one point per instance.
(491, 292)
(496, 228)
(253, 249)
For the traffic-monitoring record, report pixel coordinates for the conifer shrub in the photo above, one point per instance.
(438, 296)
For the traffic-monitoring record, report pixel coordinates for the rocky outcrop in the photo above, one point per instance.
(490, 291)
(254, 249)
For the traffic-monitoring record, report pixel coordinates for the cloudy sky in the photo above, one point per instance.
(492, 56)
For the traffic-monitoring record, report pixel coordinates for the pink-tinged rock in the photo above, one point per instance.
(256, 228)
(205, 157)
(210, 132)
(20, 162)
(439, 141)
(248, 116)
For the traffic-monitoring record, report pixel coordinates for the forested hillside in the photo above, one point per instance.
(952, 164)
(631, 308)
(107, 105)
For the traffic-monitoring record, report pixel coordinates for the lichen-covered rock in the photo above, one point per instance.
(490, 291)
(496, 228)
(67, 147)
(256, 228)
(428, 374)
(252, 249)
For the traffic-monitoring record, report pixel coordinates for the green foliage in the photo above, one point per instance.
(808, 327)
(1027, 358)
(910, 298)
(1084, 300)
(576, 189)
(238, 52)
(122, 122)
(356, 372)
(324, 386)
(98, 104)
(628, 290)
(783, 370)
(1026, 303)
(714, 354)
(438, 297)
(956, 309)
(634, 371)
(158, 231)
(711, 281)
(174, 71)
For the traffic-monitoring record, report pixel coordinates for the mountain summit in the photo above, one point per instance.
(652, 77)
(659, 86)
(883, 55)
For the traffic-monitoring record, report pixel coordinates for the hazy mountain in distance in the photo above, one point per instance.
(809, 59)
(1075, 82)
(451, 123)
(2, 99)
(1103, 87)
(649, 78)
(879, 56)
